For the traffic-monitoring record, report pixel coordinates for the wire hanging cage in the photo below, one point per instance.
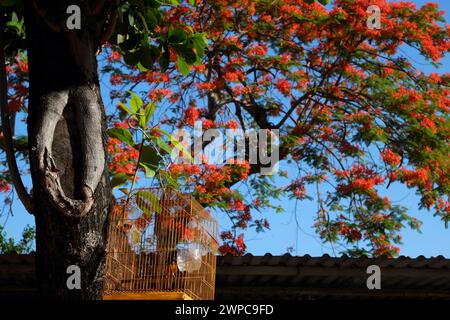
(162, 247)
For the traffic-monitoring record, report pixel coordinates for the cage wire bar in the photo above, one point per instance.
(163, 246)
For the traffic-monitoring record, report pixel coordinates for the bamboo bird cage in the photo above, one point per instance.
(163, 247)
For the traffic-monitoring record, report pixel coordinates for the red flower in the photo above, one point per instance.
(259, 50)
(240, 243)
(429, 124)
(4, 186)
(283, 86)
(233, 76)
(116, 80)
(390, 157)
(23, 66)
(191, 115)
(14, 105)
(208, 124)
(232, 125)
(114, 56)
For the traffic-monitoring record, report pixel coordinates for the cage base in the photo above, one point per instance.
(154, 295)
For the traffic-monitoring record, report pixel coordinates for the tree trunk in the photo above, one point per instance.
(57, 67)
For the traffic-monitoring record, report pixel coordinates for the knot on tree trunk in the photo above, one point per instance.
(84, 101)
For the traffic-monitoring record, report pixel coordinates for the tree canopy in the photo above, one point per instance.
(354, 114)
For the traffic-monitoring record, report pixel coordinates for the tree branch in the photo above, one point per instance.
(41, 12)
(109, 27)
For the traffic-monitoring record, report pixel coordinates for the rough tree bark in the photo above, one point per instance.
(71, 191)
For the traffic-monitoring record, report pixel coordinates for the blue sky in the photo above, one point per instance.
(293, 228)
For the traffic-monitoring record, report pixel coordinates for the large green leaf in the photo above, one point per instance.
(164, 59)
(177, 36)
(129, 43)
(122, 134)
(146, 114)
(136, 102)
(188, 54)
(176, 144)
(149, 171)
(119, 179)
(151, 17)
(163, 145)
(147, 55)
(199, 43)
(148, 202)
(183, 66)
(125, 108)
(149, 156)
(149, 111)
(131, 57)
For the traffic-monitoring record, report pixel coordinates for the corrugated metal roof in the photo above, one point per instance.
(288, 277)
(325, 277)
(439, 262)
(17, 276)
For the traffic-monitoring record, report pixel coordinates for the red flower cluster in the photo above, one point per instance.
(361, 180)
(191, 115)
(123, 158)
(349, 232)
(284, 86)
(4, 186)
(114, 56)
(390, 157)
(415, 178)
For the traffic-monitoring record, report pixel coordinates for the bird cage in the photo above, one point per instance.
(162, 247)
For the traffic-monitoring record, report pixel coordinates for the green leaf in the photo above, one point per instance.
(183, 66)
(148, 202)
(131, 19)
(149, 157)
(122, 134)
(138, 3)
(125, 108)
(154, 4)
(176, 144)
(141, 67)
(177, 36)
(188, 54)
(151, 18)
(131, 58)
(199, 43)
(171, 2)
(163, 145)
(147, 115)
(119, 179)
(149, 172)
(148, 55)
(7, 3)
(16, 24)
(130, 43)
(136, 102)
(164, 59)
(120, 39)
